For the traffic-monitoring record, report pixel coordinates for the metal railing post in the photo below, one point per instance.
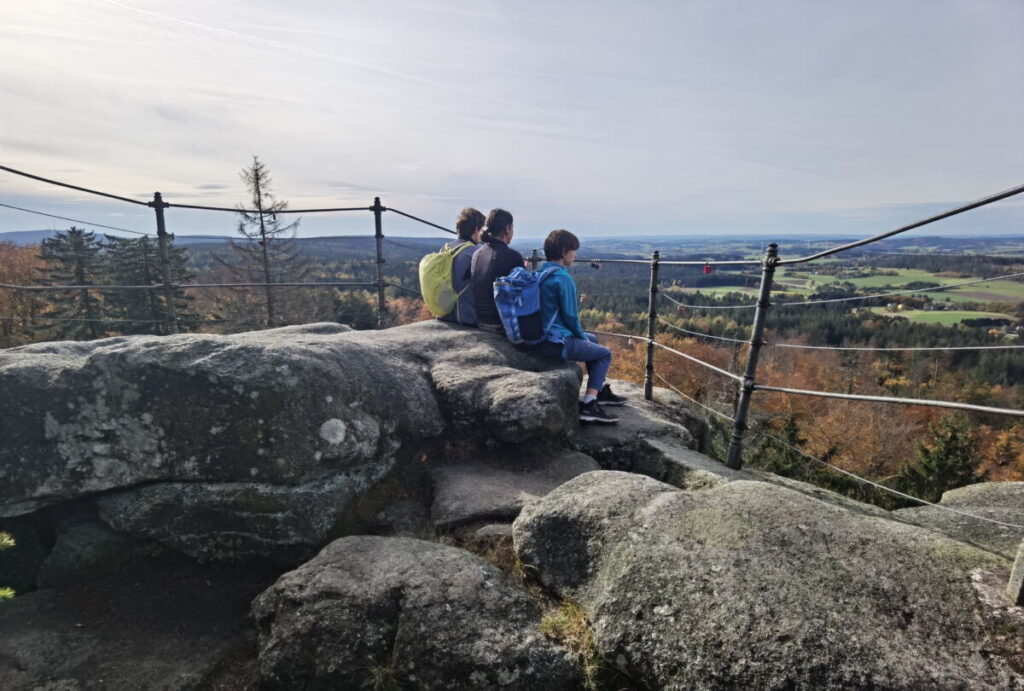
(378, 235)
(162, 238)
(534, 259)
(652, 321)
(771, 259)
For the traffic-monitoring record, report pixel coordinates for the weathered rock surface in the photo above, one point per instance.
(416, 613)
(650, 439)
(752, 585)
(497, 488)
(999, 501)
(266, 437)
(19, 564)
(87, 551)
(164, 626)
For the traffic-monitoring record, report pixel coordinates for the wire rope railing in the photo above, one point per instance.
(747, 383)
(685, 305)
(698, 334)
(74, 220)
(168, 286)
(691, 399)
(884, 488)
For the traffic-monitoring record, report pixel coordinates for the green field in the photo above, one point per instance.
(992, 291)
(944, 317)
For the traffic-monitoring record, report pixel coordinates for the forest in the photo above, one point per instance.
(919, 450)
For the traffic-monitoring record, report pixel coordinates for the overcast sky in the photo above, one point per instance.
(607, 118)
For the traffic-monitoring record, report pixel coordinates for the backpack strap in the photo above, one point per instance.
(456, 251)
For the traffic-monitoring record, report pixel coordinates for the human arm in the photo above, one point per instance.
(568, 304)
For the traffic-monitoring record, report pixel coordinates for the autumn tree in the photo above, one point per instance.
(18, 266)
(73, 258)
(267, 252)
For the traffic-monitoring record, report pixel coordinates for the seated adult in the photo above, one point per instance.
(492, 260)
(469, 226)
(567, 340)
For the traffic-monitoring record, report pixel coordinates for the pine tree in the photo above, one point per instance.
(948, 462)
(73, 258)
(135, 261)
(268, 252)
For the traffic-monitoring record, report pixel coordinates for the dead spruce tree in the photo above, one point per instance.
(267, 253)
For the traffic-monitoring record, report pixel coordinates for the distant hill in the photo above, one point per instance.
(34, 237)
(26, 237)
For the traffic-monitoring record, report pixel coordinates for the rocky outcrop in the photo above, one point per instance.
(497, 487)
(654, 438)
(753, 585)
(1000, 502)
(165, 625)
(403, 612)
(236, 446)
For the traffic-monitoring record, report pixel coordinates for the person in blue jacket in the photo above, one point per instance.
(559, 307)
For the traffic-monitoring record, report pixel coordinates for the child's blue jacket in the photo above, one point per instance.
(558, 297)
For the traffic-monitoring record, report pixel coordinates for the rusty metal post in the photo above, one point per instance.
(378, 235)
(771, 259)
(652, 323)
(162, 238)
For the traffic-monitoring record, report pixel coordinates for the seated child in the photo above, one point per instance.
(566, 338)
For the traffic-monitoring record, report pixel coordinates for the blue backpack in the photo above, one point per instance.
(517, 297)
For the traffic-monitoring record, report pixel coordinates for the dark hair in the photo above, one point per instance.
(558, 243)
(498, 223)
(468, 222)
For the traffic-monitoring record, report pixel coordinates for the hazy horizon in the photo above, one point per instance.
(849, 118)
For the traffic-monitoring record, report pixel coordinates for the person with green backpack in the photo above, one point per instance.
(445, 275)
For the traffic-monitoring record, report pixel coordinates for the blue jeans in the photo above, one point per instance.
(597, 358)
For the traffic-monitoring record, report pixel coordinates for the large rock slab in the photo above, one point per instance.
(1001, 502)
(497, 488)
(165, 626)
(654, 438)
(264, 437)
(753, 585)
(410, 612)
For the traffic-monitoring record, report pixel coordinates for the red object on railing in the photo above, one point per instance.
(707, 268)
(583, 298)
(681, 310)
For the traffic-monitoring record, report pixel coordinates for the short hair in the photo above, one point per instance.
(498, 223)
(558, 243)
(469, 221)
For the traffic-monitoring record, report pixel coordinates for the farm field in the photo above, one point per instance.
(994, 291)
(943, 317)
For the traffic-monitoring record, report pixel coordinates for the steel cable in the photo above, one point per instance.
(693, 400)
(76, 220)
(425, 222)
(699, 334)
(883, 487)
(74, 187)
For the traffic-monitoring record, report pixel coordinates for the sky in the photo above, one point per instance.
(607, 118)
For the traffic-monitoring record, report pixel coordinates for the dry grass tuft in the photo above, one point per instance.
(381, 678)
(568, 625)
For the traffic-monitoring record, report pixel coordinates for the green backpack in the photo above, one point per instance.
(436, 279)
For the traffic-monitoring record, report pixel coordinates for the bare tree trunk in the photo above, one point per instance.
(265, 254)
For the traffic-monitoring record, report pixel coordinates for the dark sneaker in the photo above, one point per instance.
(606, 397)
(592, 412)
